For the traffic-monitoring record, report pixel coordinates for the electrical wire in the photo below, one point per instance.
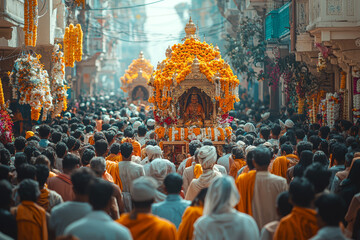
(125, 7)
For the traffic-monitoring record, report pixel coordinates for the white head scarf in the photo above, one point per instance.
(249, 127)
(159, 169)
(207, 156)
(153, 152)
(221, 197)
(289, 123)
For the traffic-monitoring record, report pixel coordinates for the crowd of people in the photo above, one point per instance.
(98, 172)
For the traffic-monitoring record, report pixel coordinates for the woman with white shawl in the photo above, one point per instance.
(220, 220)
(207, 158)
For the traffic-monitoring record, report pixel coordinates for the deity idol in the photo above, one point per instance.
(194, 113)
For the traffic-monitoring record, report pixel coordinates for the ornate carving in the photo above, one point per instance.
(334, 7)
(350, 8)
(302, 18)
(190, 30)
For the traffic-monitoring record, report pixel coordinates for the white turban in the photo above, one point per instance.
(153, 152)
(136, 125)
(249, 127)
(207, 156)
(241, 144)
(143, 189)
(289, 123)
(221, 197)
(150, 122)
(282, 124)
(248, 149)
(265, 116)
(159, 169)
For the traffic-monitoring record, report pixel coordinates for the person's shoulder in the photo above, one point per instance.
(163, 223)
(277, 178)
(76, 226)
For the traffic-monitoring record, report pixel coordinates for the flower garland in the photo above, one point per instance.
(73, 40)
(188, 134)
(356, 99)
(30, 22)
(31, 85)
(80, 3)
(58, 87)
(178, 65)
(333, 108)
(343, 80)
(321, 64)
(6, 124)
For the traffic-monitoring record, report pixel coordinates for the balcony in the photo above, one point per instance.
(333, 14)
(11, 13)
(277, 23)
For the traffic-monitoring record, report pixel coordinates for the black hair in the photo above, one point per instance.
(200, 198)
(20, 158)
(115, 148)
(29, 190)
(306, 159)
(49, 152)
(70, 161)
(70, 143)
(44, 131)
(258, 141)
(265, 132)
(300, 134)
(315, 140)
(193, 145)
(81, 178)
(324, 132)
(109, 136)
(276, 129)
(87, 156)
(173, 183)
(318, 175)
(301, 192)
(238, 153)
(207, 142)
(287, 148)
(331, 208)
(320, 157)
(283, 140)
(126, 150)
(29, 150)
(262, 156)
(129, 132)
(56, 137)
(42, 174)
(61, 149)
(283, 204)
(339, 150)
(348, 159)
(302, 146)
(26, 171)
(141, 130)
(101, 147)
(100, 192)
(20, 143)
(5, 156)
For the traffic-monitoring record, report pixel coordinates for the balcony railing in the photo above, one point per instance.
(11, 13)
(277, 23)
(329, 13)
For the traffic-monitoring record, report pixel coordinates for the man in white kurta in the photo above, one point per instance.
(207, 158)
(128, 172)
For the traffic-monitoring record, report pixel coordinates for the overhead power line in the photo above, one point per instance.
(125, 7)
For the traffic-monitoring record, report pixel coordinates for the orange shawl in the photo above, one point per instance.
(136, 146)
(113, 169)
(43, 199)
(189, 162)
(186, 228)
(148, 227)
(31, 221)
(107, 177)
(245, 184)
(52, 174)
(114, 157)
(300, 224)
(280, 166)
(197, 170)
(236, 166)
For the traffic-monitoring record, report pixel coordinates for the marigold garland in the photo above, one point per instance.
(80, 3)
(6, 124)
(2, 99)
(343, 80)
(31, 85)
(30, 22)
(73, 40)
(179, 62)
(58, 87)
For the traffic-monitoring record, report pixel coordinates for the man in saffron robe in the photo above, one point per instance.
(239, 161)
(62, 182)
(259, 189)
(30, 217)
(48, 198)
(301, 223)
(129, 138)
(141, 223)
(286, 160)
(114, 155)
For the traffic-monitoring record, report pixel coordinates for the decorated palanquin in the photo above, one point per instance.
(193, 90)
(134, 81)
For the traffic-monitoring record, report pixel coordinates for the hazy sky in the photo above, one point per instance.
(163, 26)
